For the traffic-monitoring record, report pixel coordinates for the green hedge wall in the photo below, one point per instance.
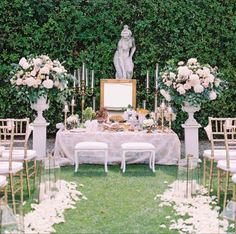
(74, 31)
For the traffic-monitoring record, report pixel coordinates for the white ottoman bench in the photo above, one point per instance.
(89, 147)
(138, 147)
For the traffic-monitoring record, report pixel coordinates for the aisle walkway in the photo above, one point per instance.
(118, 203)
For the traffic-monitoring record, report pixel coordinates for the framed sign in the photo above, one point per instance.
(117, 94)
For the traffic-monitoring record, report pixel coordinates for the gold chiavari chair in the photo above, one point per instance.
(3, 189)
(215, 133)
(227, 167)
(10, 169)
(21, 153)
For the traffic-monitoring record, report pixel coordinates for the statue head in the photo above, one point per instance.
(126, 33)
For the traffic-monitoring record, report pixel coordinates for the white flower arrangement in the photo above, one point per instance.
(72, 121)
(190, 82)
(39, 76)
(148, 123)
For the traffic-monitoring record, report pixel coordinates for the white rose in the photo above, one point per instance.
(200, 72)
(192, 61)
(37, 62)
(172, 75)
(24, 64)
(211, 78)
(163, 92)
(212, 95)
(194, 79)
(167, 97)
(198, 88)
(181, 90)
(44, 70)
(184, 71)
(19, 81)
(30, 81)
(180, 63)
(206, 71)
(57, 70)
(217, 82)
(33, 73)
(48, 84)
(168, 83)
(57, 83)
(187, 86)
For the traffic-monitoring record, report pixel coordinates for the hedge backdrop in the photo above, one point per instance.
(74, 31)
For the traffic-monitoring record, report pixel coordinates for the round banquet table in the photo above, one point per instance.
(167, 146)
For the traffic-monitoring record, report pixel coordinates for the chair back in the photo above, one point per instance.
(7, 139)
(22, 132)
(230, 140)
(216, 132)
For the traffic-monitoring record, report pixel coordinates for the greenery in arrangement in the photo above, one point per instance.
(190, 82)
(88, 114)
(40, 76)
(88, 31)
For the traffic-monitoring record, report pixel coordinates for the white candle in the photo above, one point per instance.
(74, 84)
(147, 80)
(144, 104)
(66, 108)
(86, 77)
(155, 103)
(73, 101)
(83, 71)
(78, 75)
(163, 105)
(156, 77)
(94, 103)
(92, 82)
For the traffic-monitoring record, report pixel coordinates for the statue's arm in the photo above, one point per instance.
(133, 48)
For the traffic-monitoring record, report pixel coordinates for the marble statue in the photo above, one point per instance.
(123, 55)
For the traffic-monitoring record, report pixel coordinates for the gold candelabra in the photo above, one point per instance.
(83, 89)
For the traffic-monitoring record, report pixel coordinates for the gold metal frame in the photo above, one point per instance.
(115, 81)
(230, 144)
(217, 143)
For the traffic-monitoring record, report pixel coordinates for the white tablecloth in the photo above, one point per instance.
(167, 146)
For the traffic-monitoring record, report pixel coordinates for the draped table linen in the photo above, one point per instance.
(167, 146)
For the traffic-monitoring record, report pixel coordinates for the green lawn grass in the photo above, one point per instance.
(117, 202)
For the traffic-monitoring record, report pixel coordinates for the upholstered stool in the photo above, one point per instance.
(96, 147)
(138, 147)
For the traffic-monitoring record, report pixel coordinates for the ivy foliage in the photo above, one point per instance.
(88, 30)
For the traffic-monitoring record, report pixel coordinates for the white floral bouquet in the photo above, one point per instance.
(190, 82)
(147, 123)
(40, 76)
(72, 122)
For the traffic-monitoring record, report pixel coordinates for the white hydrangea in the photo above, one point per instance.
(30, 81)
(184, 71)
(212, 95)
(48, 84)
(198, 88)
(181, 90)
(194, 80)
(148, 122)
(24, 64)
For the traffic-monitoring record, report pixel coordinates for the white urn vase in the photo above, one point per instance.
(40, 105)
(190, 109)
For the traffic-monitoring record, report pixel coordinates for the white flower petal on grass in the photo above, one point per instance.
(162, 226)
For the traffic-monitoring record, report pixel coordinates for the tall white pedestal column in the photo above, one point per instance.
(40, 139)
(191, 127)
(191, 139)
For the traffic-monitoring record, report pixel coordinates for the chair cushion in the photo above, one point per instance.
(91, 145)
(3, 181)
(19, 154)
(2, 148)
(137, 146)
(221, 164)
(234, 178)
(219, 154)
(16, 166)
